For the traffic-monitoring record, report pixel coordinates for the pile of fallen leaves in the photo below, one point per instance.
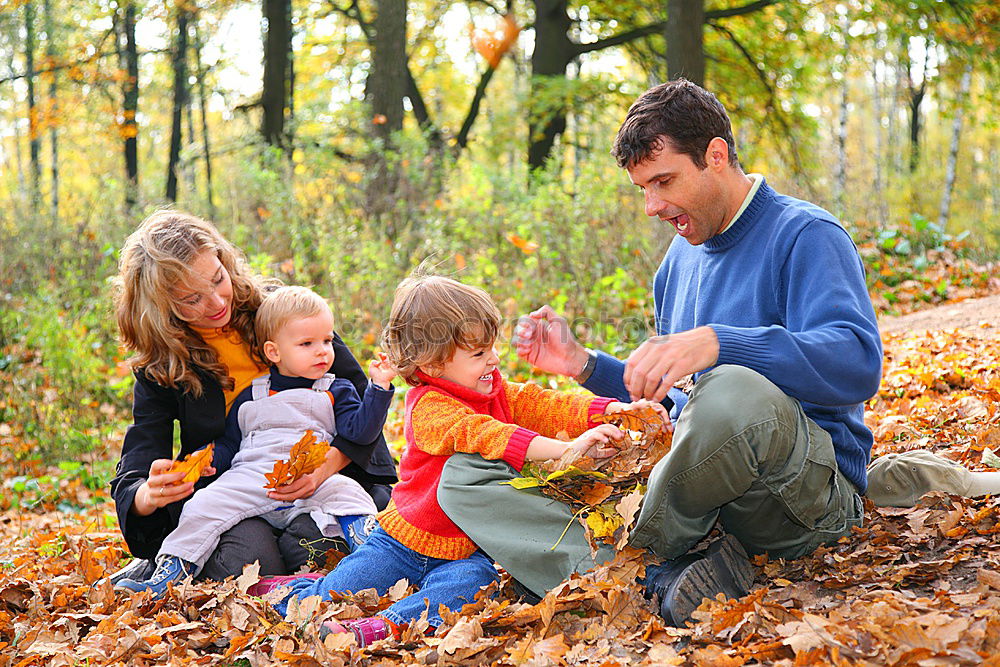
(915, 586)
(606, 493)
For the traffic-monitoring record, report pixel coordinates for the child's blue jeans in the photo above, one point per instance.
(382, 561)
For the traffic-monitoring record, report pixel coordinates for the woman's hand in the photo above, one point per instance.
(596, 442)
(161, 488)
(303, 487)
(616, 406)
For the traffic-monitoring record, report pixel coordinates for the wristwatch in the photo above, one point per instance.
(588, 368)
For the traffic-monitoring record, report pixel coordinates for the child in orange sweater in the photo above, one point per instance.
(440, 337)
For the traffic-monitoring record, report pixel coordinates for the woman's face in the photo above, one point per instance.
(205, 299)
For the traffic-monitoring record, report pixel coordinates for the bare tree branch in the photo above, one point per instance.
(773, 106)
(659, 26)
(738, 11)
(77, 63)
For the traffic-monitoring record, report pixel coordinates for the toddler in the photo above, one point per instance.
(440, 336)
(266, 419)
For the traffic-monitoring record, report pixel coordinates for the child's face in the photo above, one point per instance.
(472, 369)
(303, 347)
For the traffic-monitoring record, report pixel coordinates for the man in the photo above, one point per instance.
(762, 298)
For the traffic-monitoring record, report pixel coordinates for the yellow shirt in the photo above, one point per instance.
(233, 353)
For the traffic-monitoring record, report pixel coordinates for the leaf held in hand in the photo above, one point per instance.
(194, 463)
(608, 492)
(305, 456)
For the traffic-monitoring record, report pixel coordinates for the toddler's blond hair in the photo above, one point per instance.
(284, 305)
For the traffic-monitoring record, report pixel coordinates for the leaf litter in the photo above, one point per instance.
(913, 586)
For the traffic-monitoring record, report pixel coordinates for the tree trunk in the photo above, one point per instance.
(956, 133)
(34, 140)
(880, 210)
(203, 104)
(685, 51)
(551, 56)
(18, 150)
(386, 86)
(189, 165)
(916, 98)
(179, 99)
(274, 98)
(387, 83)
(50, 52)
(130, 106)
(839, 195)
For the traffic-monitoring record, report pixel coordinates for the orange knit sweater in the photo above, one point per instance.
(233, 352)
(443, 418)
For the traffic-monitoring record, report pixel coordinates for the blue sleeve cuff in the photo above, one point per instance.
(606, 380)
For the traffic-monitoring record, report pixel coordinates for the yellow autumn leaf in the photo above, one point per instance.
(602, 526)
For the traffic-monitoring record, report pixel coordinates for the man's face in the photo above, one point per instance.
(679, 192)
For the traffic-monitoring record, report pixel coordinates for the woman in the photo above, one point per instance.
(185, 303)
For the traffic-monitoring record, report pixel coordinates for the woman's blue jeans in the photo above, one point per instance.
(382, 561)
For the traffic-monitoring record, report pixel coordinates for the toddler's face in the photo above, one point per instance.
(472, 369)
(304, 347)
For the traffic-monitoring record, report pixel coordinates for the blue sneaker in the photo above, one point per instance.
(357, 528)
(168, 569)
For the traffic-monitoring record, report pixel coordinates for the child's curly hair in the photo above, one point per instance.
(431, 317)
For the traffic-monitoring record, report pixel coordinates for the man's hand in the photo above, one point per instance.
(659, 362)
(543, 339)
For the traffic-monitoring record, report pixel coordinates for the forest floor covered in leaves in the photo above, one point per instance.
(917, 586)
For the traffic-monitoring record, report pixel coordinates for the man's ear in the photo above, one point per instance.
(717, 153)
(271, 351)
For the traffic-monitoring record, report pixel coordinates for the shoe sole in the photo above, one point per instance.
(725, 569)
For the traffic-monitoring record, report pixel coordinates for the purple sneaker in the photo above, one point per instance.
(268, 584)
(365, 630)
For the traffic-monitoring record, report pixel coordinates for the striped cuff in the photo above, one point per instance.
(597, 407)
(517, 447)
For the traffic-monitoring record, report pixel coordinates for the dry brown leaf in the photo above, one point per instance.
(194, 463)
(305, 456)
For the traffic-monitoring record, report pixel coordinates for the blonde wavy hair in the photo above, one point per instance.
(432, 316)
(157, 257)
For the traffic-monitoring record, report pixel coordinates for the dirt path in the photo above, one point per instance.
(978, 317)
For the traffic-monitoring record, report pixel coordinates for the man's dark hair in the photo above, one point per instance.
(679, 112)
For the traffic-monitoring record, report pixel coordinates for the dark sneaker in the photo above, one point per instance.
(168, 569)
(682, 584)
(139, 569)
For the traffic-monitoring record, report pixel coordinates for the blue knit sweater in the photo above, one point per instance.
(784, 290)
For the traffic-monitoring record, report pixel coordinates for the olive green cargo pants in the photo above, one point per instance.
(743, 453)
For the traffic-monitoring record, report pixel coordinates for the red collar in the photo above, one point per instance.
(470, 396)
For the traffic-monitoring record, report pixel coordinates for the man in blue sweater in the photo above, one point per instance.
(761, 297)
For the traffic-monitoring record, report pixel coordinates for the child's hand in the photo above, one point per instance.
(596, 442)
(615, 406)
(382, 372)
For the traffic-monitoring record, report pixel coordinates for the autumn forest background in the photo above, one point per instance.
(341, 143)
